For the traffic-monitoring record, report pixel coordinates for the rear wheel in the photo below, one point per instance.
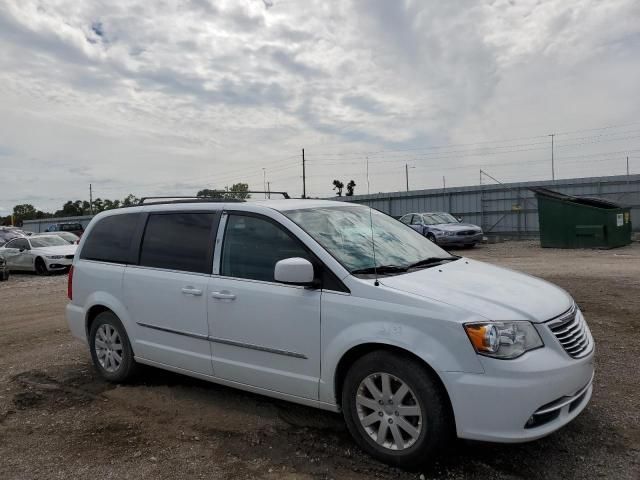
(41, 267)
(4, 276)
(395, 410)
(110, 348)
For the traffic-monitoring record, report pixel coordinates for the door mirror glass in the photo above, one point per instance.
(294, 271)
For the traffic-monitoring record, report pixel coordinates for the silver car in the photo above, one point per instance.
(40, 254)
(444, 229)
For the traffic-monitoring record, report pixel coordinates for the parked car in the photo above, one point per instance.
(444, 229)
(290, 299)
(69, 237)
(4, 271)
(40, 254)
(8, 233)
(75, 228)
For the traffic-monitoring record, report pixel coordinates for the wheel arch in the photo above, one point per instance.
(358, 351)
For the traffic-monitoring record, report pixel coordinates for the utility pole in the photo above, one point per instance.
(367, 175)
(264, 181)
(304, 178)
(627, 165)
(269, 189)
(90, 200)
(444, 183)
(406, 173)
(553, 171)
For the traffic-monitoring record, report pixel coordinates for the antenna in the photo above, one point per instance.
(373, 242)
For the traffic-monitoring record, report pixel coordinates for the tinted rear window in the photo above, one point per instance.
(178, 241)
(110, 239)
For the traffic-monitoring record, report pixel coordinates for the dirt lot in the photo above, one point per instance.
(59, 420)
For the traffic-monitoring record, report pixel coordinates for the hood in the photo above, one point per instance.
(57, 250)
(493, 292)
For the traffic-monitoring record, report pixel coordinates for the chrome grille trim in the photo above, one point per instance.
(572, 332)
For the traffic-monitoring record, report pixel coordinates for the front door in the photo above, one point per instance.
(166, 294)
(264, 334)
(18, 254)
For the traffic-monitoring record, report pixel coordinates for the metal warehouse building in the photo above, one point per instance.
(507, 208)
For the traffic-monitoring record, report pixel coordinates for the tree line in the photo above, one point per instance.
(78, 208)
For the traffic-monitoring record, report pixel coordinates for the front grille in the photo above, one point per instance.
(467, 232)
(572, 332)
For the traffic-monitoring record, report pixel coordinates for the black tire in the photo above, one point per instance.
(127, 367)
(4, 276)
(430, 236)
(436, 425)
(41, 267)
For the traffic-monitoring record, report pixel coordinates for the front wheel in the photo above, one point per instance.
(395, 410)
(41, 267)
(431, 236)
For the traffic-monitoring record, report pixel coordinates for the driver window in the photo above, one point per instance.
(18, 243)
(417, 220)
(252, 247)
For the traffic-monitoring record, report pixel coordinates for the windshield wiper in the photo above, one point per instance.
(431, 261)
(381, 269)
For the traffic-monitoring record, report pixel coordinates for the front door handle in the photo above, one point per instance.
(223, 295)
(196, 292)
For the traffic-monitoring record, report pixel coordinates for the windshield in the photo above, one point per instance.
(448, 218)
(51, 241)
(68, 236)
(345, 232)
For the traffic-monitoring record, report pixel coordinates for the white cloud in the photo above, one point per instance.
(168, 97)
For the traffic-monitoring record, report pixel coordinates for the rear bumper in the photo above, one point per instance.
(511, 404)
(76, 321)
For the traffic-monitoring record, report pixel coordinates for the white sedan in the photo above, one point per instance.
(41, 254)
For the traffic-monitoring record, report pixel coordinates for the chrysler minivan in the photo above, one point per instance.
(335, 306)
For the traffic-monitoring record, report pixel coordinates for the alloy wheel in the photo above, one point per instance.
(389, 411)
(109, 347)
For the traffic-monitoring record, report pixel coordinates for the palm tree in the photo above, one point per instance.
(338, 185)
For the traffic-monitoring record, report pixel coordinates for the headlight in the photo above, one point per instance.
(54, 257)
(503, 340)
(449, 233)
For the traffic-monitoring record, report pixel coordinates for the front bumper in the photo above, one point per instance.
(522, 399)
(459, 239)
(58, 263)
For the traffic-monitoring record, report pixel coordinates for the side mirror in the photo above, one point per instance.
(22, 249)
(459, 219)
(294, 271)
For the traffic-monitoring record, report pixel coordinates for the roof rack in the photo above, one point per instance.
(196, 199)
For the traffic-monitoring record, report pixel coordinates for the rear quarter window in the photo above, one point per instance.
(110, 240)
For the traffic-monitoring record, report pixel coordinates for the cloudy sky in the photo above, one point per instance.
(167, 97)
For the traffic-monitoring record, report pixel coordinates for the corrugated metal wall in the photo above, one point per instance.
(505, 208)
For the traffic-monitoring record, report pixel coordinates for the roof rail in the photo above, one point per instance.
(196, 199)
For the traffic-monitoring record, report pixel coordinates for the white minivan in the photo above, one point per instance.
(335, 306)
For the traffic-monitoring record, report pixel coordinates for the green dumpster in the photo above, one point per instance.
(581, 222)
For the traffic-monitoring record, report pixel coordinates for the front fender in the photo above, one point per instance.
(424, 332)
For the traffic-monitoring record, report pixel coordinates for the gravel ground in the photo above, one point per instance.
(59, 420)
